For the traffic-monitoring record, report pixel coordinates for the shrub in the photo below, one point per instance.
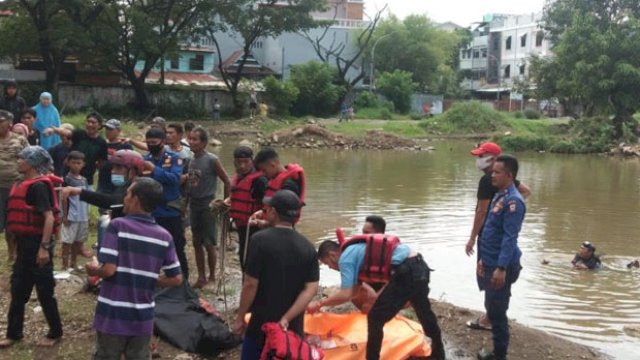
(366, 100)
(472, 116)
(385, 114)
(532, 114)
(318, 94)
(415, 116)
(398, 87)
(282, 94)
(518, 115)
(564, 147)
(525, 142)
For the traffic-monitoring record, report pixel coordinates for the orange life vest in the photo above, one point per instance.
(294, 172)
(243, 205)
(377, 258)
(24, 219)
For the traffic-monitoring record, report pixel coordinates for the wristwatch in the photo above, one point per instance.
(46, 245)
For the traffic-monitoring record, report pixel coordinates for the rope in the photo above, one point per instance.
(221, 216)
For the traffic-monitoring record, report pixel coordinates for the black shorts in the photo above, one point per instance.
(253, 106)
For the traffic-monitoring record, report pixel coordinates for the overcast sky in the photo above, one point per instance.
(461, 12)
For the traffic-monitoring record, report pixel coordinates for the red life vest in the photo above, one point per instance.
(286, 345)
(242, 204)
(377, 258)
(24, 219)
(294, 172)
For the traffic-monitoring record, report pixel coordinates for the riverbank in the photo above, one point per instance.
(77, 309)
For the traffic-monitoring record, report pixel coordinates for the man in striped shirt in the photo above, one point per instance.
(133, 252)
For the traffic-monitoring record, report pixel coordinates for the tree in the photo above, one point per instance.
(45, 27)
(133, 35)
(346, 57)
(255, 19)
(283, 94)
(597, 58)
(317, 92)
(415, 45)
(398, 87)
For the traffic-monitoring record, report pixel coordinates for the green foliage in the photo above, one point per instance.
(318, 94)
(472, 117)
(416, 116)
(385, 114)
(518, 115)
(366, 99)
(524, 142)
(532, 114)
(282, 94)
(398, 87)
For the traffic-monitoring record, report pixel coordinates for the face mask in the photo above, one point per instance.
(117, 180)
(483, 162)
(155, 149)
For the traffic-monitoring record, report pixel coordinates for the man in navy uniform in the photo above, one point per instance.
(166, 168)
(499, 264)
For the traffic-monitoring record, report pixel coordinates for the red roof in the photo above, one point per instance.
(6, 13)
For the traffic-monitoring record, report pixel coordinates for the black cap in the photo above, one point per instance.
(265, 154)
(588, 245)
(286, 203)
(243, 152)
(155, 133)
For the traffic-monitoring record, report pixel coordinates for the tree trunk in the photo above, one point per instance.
(52, 77)
(142, 103)
(238, 106)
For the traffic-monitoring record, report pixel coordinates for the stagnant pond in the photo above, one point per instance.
(429, 199)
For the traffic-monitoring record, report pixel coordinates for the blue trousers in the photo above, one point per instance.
(496, 302)
(251, 350)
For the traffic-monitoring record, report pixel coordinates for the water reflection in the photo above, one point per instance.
(428, 200)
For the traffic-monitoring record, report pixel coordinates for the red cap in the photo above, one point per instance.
(487, 148)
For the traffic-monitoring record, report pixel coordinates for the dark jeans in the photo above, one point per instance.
(496, 302)
(242, 236)
(112, 347)
(174, 226)
(27, 274)
(410, 282)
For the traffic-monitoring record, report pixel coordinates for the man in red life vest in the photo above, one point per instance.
(404, 271)
(248, 186)
(281, 177)
(33, 217)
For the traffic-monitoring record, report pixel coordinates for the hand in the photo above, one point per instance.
(227, 201)
(469, 247)
(43, 257)
(497, 280)
(91, 268)
(284, 324)
(314, 307)
(49, 131)
(237, 327)
(65, 222)
(125, 140)
(148, 166)
(480, 269)
(67, 191)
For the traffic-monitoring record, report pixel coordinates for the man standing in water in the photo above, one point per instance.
(486, 154)
(499, 264)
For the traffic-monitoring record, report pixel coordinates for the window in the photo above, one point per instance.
(476, 54)
(484, 53)
(197, 63)
(257, 45)
(507, 71)
(175, 62)
(496, 44)
(469, 54)
(508, 43)
(463, 53)
(522, 69)
(539, 38)
(523, 40)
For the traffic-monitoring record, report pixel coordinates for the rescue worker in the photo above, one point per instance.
(408, 282)
(248, 186)
(33, 217)
(499, 264)
(166, 168)
(281, 177)
(586, 258)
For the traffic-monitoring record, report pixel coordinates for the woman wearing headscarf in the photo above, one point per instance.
(47, 116)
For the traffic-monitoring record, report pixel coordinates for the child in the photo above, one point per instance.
(134, 251)
(75, 213)
(60, 152)
(28, 117)
(20, 129)
(47, 116)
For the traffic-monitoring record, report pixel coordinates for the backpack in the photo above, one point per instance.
(286, 345)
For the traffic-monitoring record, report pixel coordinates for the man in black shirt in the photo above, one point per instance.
(586, 258)
(33, 267)
(486, 154)
(12, 102)
(112, 129)
(281, 275)
(89, 142)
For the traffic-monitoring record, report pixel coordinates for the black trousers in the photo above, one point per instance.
(174, 226)
(242, 236)
(410, 282)
(27, 274)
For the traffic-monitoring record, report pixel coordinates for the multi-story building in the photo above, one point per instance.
(500, 51)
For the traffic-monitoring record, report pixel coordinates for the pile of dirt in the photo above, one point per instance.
(315, 136)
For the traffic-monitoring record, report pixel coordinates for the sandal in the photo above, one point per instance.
(47, 342)
(475, 325)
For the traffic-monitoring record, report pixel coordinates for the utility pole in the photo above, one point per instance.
(373, 61)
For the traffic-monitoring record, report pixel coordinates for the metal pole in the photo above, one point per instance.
(373, 61)
(282, 64)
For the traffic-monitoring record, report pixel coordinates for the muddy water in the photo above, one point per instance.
(428, 200)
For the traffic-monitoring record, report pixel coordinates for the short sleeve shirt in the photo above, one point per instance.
(94, 149)
(352, 260)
